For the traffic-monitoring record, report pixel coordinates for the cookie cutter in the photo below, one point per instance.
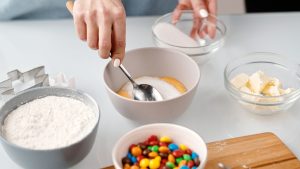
(37, 75)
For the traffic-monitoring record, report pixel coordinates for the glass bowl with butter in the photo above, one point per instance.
(178, 35)
(263, 83)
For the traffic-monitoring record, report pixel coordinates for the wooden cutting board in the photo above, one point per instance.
(259, 151)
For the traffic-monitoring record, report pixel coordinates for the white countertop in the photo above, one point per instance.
(213, 114)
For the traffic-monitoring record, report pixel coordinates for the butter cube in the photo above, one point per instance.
(240, 80)
(258, 81)
(271, 90)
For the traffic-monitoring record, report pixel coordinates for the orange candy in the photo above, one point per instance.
(136, 151)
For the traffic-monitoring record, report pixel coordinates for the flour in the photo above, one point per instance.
(48, 123)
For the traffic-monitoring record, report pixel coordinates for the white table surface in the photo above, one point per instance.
(213, 114)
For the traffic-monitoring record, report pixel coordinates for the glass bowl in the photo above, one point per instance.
(273, 65)
(202, 52)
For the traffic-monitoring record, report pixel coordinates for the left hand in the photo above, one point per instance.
(201, 9)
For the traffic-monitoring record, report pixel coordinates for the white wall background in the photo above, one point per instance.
(231, 6)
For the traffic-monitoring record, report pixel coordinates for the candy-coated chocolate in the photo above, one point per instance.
(155, 148)
(158, 158)
(177, 153)
(188, 151)
(184, 167)
(194, 155)
(154, 164)
(152, 143)
(143, 146)
(178, 160)
(126, 166)
(182, 162)
(170, 164)
(144, 163)
(165, 139)
(146, 152)
(163, 144)
(136, 151)
(171, 158)
(196, 162)
(187, 157)
(140, 157)
(153, 138)
(163, 149)
(163, 155)
(152, 154)
(173, 147)
(126, 160)
(133, 159)
(190, 163)
(182, 147)
(134, 167)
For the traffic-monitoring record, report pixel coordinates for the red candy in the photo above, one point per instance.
(139, 158)
(131, 146)
(188, 151)
(190, 164)
(152, 143)
(178, 153)
(163, 144)
(152, 138)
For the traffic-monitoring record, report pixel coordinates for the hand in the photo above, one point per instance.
(102, 23)
(201, 9)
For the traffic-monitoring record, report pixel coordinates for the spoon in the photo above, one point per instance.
(141, 92)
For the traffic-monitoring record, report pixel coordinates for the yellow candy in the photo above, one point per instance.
(171, 158)
(175, 168)
(126, 166)
(154, 164)
(182, 147)
(165, 139)
(183, 162)
(153, 154)
(143, 168)
(144, 163)
(158, 158)
(134, 167)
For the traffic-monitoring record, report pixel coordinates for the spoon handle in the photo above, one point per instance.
(127, 75)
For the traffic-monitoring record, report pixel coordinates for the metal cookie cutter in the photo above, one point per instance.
(18, 81)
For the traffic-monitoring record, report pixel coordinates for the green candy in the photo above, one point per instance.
(187, 157)
(155, 148)
(178, 160)
(170, 164)
(150, 148)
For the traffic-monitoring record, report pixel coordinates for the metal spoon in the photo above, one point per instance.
(142, 92)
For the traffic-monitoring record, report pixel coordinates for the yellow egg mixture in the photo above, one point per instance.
(168, 87)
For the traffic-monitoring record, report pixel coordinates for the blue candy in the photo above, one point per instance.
(129, 155)
(194, 155)
(184, 167)
(133, 159)
(194, 167)
(173, 147)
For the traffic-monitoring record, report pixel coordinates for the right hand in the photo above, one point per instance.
(102, 23)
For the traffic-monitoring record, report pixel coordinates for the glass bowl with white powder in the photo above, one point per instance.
(49, 127)
(180, 36)
(263, 83)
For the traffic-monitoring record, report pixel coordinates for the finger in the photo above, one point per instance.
(92, 30)
(212, 9)
(196, 25)
(105, 30)
(200, 7)
(80, 26)
(183, 5)
(119, 37)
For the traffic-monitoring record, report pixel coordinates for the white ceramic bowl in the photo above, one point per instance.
(179, 135)
(153, 62)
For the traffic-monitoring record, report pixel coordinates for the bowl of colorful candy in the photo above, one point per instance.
(160, 145)
(175, 75)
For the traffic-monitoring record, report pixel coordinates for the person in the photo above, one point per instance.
(102, 23)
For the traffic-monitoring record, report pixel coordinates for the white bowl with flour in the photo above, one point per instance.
(46, 128)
